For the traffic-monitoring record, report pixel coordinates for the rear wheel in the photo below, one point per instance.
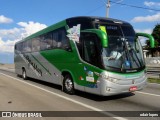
(68, 85)
(24, 75)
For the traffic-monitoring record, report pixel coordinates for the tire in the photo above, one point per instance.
(68, 85)
(24, 75)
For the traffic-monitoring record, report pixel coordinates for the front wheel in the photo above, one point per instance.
(68, 85)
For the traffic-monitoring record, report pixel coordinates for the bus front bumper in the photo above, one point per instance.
(109, 88)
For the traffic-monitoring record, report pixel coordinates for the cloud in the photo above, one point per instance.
(149, 31)
(4, 19)
(10, 33)
(151, 4)
(7, 46)
(8, 37)
(148, 18)
(30, 27)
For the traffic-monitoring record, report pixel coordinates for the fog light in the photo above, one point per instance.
(108, 89)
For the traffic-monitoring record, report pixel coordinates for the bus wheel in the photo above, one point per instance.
(24, 75)
(68, 85)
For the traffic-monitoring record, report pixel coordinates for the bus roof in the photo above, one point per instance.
(96, 18)
(72, 19)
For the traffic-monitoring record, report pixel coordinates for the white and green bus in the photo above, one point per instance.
(92, 54)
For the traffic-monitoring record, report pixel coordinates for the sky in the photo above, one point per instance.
(20, 18)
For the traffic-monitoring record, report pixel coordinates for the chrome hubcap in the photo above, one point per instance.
(24, 74)
(68, 84)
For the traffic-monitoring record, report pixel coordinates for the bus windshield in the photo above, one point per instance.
(124, 51)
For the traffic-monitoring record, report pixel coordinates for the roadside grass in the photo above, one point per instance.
(154, 80)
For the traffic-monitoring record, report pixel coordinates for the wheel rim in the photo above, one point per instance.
(24, 74)
(68, 84)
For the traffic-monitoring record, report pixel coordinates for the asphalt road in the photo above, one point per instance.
(34, 95)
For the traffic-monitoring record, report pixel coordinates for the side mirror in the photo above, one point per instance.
(101, 34)
(150, 37)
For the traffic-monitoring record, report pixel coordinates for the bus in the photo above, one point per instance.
(97, 55)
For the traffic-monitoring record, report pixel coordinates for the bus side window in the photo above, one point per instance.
(46, 42)
(15, 48)
(54, 38)
(23, 46)
(28, 46)
(63, 39)
(60, 39)
(35, 45)
(19, 47)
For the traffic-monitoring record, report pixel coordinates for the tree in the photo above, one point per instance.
(156, 35)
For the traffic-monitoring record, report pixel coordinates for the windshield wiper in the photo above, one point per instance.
(133, 52)
(126, 51)
(128, 48)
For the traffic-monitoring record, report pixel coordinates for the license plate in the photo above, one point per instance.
(133, 88)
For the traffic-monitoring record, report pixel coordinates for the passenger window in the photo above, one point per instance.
(35, 44)
(19, 47)
(28, 46)
(23, 47)
(46, 42)
(55, 39)
(63, 39)
(15, 47)
(60, 39)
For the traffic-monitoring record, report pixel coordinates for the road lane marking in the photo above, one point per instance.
(148, 93)
(154, 83)
(69, 99)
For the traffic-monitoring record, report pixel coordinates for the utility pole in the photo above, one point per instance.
(108, 6)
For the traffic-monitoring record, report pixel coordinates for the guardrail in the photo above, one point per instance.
(153, 71)
(153, 61)
(153, 66)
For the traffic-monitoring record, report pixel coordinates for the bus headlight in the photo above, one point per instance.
(114, 80)
(104, 76)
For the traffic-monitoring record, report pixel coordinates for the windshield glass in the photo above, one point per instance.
(124, 52)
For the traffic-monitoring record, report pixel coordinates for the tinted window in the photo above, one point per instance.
(113, 30)
(128, 31)
(23, 46)
(88, 48)
(19, 47)
(27, 46)
(60, 39)
(63, 40)
(35, 44)
(15, 47)
(46, 41)
(85, 23)
(55, 38)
